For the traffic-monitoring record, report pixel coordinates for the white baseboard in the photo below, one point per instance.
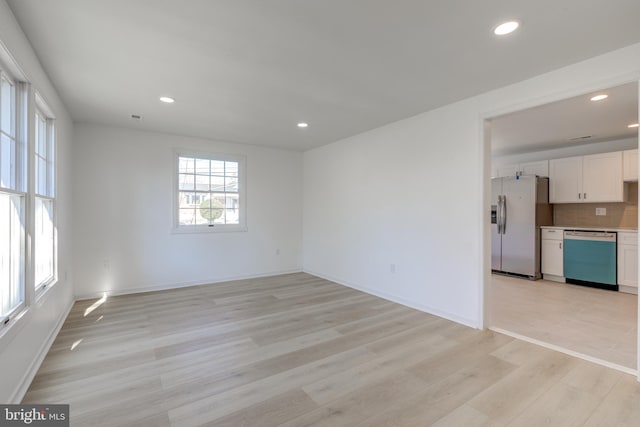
(393, 298)
(22, 388)
(177, 285)
(554, 278)
(628, 289)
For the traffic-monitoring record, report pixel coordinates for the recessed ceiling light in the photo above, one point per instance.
(600, 97)
(167, 99)
(633, 125)
(303, 125)
(506, 28)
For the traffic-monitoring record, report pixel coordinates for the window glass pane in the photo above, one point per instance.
(202, 182)
(186, 165)
(231, 168)
(202, 167)
(41, 176)
(51, 176)
(217, 167)
(7, 162)
(217, 183)
(44, 241)
(186, 200)
(7, 107)
(232, 201)
(186, 182)
(11, 252)
(187, 216)
(210, 210)
(41, 140)
(231, 216)
(231, 184)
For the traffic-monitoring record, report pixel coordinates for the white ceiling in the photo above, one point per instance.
(249, 70)
(567, 122)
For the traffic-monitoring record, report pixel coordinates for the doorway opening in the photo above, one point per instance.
(594, 324)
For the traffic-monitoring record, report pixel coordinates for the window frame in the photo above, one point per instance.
(18, 187)
(242, 194)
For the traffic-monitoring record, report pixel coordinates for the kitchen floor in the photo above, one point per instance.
(597, 323)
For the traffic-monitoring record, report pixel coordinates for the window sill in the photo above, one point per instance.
(207, 229)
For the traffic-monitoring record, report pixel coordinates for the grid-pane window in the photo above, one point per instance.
(12, 203)
(44, 226)
(209, 192)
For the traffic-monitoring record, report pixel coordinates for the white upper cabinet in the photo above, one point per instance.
(587, 179)
(565, 180)
(602, 178)
(630, 165)
(540, 168)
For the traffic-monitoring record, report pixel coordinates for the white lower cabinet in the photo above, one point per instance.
(628, 262)
(552, 254)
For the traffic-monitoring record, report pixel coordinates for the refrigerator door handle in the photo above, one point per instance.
(504, 214)
(499, 219)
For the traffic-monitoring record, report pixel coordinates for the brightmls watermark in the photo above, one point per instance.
(34, 415)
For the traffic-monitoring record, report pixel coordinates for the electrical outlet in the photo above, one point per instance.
(278, 251)
(601, 211)
(392, 268)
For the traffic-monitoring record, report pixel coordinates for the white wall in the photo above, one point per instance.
(25, 343)
(123, 181)
(414, 193)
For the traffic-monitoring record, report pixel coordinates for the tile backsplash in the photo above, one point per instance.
(622, 215)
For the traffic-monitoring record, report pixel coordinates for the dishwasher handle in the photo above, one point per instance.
(600, 236)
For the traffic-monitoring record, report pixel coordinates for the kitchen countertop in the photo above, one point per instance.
(557, 227)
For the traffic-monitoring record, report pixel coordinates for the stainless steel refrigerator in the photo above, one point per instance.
(519, 206)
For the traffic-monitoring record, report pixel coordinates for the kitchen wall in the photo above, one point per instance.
(24, 344)
(402, 211)
(619, 215)
(123, 208)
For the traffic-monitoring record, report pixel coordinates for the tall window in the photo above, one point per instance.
(210, 193)
(12, 202)
(44, 227)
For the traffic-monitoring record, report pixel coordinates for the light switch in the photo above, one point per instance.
(601, 211)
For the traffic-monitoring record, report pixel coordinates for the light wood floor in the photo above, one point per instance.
(296, 350)
(595, 322)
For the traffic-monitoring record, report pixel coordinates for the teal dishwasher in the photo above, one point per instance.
(590, 258)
